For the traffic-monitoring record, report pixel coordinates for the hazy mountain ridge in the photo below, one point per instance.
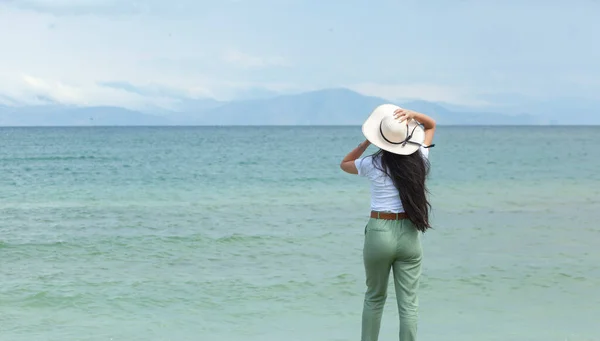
(56, 115)
(322, 107)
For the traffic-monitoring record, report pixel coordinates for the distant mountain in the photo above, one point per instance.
(339, 107)
(570, 111)
(323, 107)
(57, 115)
(443, 116)
(245, 94)
(559, 110)
(189, 110)
(194, 106)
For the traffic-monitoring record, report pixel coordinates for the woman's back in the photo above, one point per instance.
(385, 196)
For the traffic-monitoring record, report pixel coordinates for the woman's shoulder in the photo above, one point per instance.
(363, 162)
(369, 160)
(367, 165)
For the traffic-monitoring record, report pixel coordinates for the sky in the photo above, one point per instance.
(140, 54)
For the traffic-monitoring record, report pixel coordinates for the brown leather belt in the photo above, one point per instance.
(388, 215)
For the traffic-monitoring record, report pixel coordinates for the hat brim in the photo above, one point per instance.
(370, 130)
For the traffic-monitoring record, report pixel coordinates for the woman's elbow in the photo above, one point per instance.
(349, 167)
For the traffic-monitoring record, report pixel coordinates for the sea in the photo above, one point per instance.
(255, 234)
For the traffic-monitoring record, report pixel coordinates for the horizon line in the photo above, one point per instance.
(280, 125)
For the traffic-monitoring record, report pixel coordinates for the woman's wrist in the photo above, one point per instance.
(427, 121)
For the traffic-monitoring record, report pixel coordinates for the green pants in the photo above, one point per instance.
(391, 245)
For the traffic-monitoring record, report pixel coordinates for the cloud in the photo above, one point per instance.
(181, 8)
(158, 90)
(5, 100)
(33, 90)
(79, 7)
(154, 52)
(54, 90)
(244, 60)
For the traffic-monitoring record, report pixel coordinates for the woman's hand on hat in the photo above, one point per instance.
(404, 115)
(427, 122)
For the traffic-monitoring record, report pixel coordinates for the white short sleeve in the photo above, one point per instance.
(364, 165)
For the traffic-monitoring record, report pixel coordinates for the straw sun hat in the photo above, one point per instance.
(387, 132)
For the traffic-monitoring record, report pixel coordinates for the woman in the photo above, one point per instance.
(399, 211)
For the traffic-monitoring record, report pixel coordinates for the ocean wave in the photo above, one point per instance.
(7, 245)
(56, 158)
(42, 299)
(240, 238)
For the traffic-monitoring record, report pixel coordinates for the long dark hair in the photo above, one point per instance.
(408, 172)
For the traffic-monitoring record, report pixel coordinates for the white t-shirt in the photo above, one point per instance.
(384, 195)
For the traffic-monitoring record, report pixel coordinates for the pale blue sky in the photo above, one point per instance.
(152, 53)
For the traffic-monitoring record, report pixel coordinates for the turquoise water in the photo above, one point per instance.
(253, 233)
